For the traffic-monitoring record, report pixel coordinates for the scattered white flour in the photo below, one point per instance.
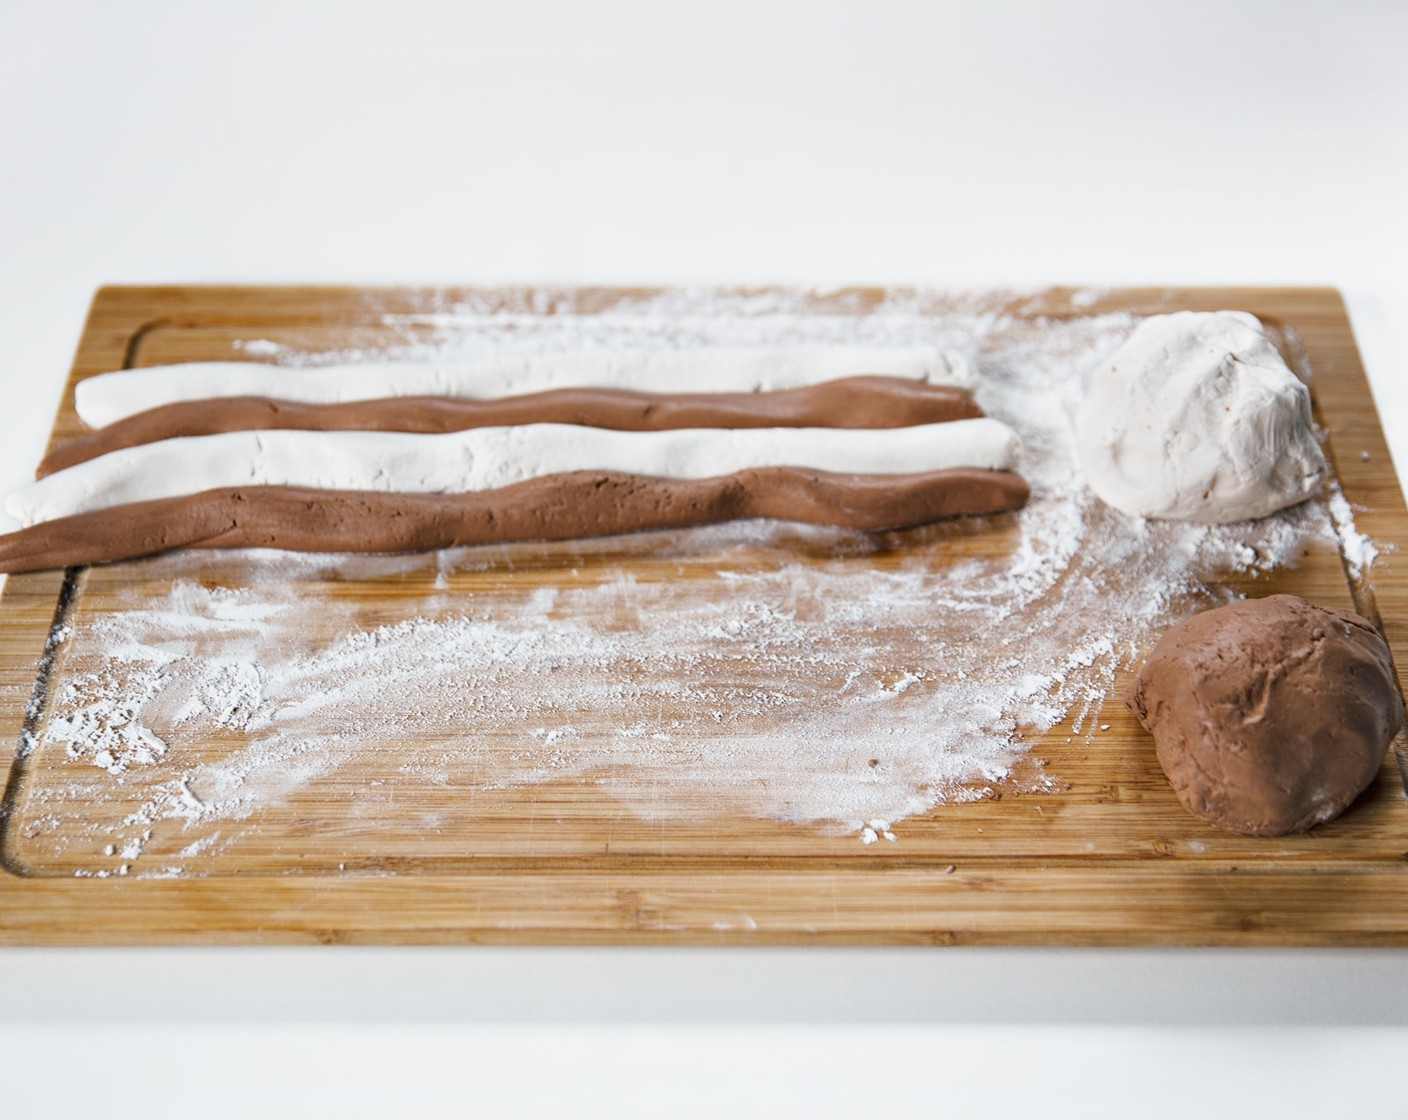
(836, 681)
(260, 347)
(1358, 550)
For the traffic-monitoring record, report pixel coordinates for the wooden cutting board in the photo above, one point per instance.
(1103, 855)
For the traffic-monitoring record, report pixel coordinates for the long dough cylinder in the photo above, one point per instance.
(557, 507)
(850, 402)
(491, 458)
(110, 397)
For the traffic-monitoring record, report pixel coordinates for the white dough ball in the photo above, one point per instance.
(1198, 418)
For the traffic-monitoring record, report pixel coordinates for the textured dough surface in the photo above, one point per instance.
(851, 402)
(110, 397)
(558, 507)
(492, 458)
(1269, 715)
(1198, 418)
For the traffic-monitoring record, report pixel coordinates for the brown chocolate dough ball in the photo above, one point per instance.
(1270, 715)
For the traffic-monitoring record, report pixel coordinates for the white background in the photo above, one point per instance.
(955, 144)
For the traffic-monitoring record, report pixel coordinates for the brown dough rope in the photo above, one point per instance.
(850, 402)
(555, 507)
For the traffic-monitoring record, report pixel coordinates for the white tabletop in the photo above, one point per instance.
(739, 141)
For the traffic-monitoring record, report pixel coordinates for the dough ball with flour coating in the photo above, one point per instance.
(1269, 715)
(1198, 418)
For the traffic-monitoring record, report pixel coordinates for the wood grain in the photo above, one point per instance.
(1112, 859)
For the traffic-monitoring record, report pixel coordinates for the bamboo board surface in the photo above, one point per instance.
(1110, 859)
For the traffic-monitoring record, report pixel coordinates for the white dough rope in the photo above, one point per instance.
(487, 458)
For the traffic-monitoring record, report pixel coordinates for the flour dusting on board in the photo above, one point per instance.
(837, 680)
